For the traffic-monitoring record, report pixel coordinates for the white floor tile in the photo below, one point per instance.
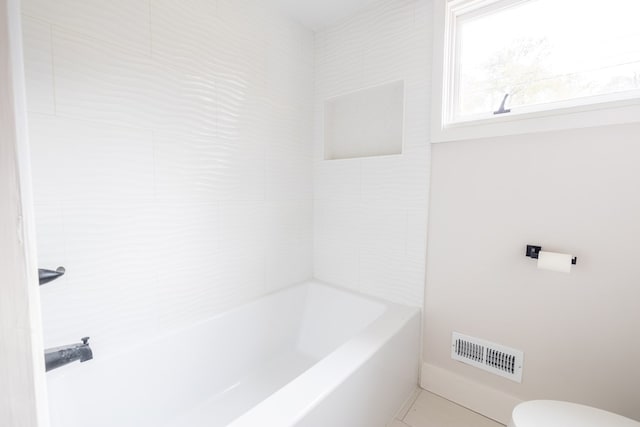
(408, 404)
(430, 410)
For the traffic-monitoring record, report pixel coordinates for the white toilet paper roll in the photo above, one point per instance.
(554, 261)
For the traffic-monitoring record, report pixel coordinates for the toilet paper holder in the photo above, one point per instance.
(533, 251)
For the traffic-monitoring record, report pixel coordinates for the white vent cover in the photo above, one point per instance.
(494, 358)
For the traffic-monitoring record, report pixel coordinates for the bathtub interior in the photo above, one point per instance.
(215, 370)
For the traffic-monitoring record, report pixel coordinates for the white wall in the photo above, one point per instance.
(370, 214)
(572, 191)
(172, 160)
(22, 394)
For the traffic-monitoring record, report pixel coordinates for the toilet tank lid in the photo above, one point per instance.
(553, 413)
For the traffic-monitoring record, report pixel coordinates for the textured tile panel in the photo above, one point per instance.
(207, 169)
(374, 210)
(121, 22)
(336, 263)
(337, 179)
(75, 160)
(397, 179)
(181, 33)
(288, 176)
(392, 276)
(100, 82)
(175, 180)
(243, 228)
(289, 243)
(383, 228)
(110, 265)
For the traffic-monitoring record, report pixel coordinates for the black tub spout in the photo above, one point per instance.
(47, 276)
(60, 356)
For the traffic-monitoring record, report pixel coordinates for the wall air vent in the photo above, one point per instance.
(494, 358)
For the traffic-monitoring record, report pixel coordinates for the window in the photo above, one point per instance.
(541, 55)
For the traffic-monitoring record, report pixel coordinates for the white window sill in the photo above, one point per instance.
(591, 115)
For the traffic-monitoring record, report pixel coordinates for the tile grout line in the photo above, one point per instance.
(414, 399)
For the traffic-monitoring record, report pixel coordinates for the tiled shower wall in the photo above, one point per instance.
(370, 214)
(172, 158)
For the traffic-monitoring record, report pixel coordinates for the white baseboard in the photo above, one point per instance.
(478, 397)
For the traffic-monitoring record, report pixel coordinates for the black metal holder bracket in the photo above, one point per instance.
(502, 110)
(47, 276)
(533, 252)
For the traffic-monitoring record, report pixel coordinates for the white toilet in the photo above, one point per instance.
(553, 413)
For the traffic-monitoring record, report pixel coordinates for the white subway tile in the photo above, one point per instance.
(400, 179)
(307, 41)
(417, 130)
(394, 277)
(288, 263)
(249, 18)
(339, 62)
(336, 241)
(182, 31)
(287, 36)
(188, 263)
(288, 222)
(289, 81)
(191, 169)
(391, 49)
(243, 173)
(242, 278)
(206, 168)
(336, 263)
(288, 176)
(184, 101)
(190, 239)
(285, 127)
(289, 243)
(337, 221)
(417, 233)
(110, 265)
(382, 228)
(318, 132)
(96, 81)
(121, 22)
(424, 13)
(75, 160)
(243, 229)
(337, 179)
(120, 233)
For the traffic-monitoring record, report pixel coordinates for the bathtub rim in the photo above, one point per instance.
(141, 344)
(374, 337)
(243, 306)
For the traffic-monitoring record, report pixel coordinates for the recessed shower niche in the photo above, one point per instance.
(368, 122)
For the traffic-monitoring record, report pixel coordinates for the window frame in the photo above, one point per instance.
(589, 111)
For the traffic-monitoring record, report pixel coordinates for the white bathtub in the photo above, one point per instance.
(311, 355)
